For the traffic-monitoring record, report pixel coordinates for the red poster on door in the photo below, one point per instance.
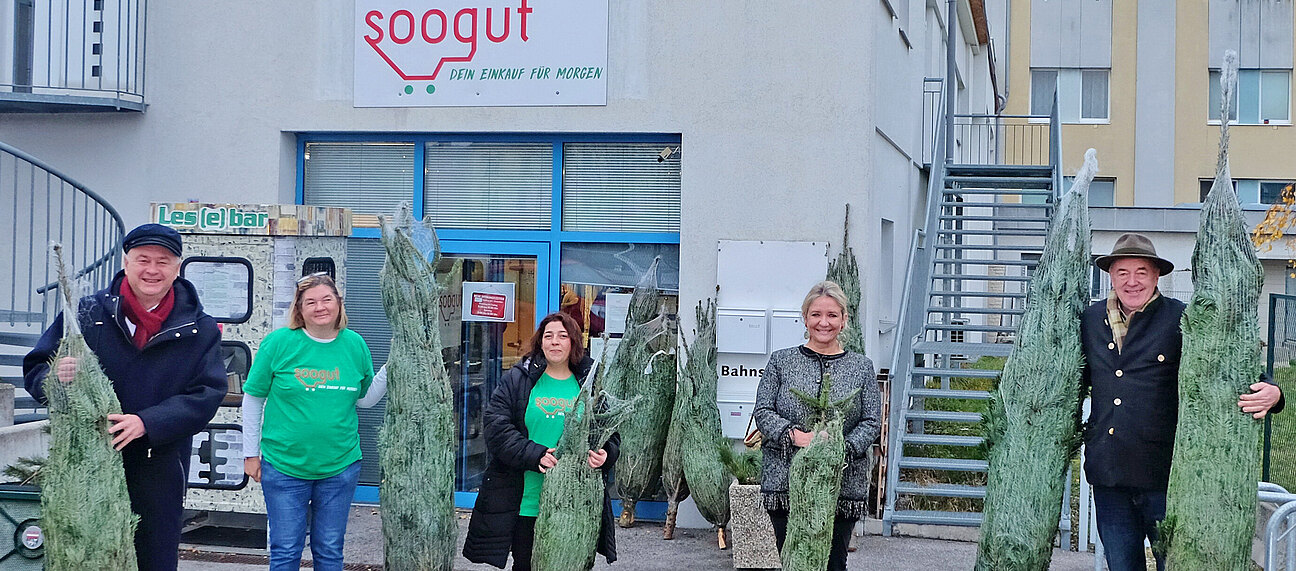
(488, 305)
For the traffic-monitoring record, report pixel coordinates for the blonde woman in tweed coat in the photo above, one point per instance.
(784, 419)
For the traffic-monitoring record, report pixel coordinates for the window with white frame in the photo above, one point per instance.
(1102, 191)
(1083, 93)
(1251, 190)
(1263, 97)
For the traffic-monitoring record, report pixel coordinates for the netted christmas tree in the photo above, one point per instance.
(694, 424)
(844, 271)
(417, 440)
(814, 482)
(1211, 499)
(1033, 419)
(644, 366)
(569, 523)
(85, 508)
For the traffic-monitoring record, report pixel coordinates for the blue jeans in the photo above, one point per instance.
(1126, 516)
(289, 500)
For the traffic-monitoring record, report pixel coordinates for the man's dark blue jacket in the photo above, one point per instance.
(175, 384)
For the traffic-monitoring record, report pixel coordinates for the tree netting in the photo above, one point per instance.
(417, 440)
(1211, 499)
(695, 428)
(571, 499)
(844, 271)
(644, 366)
(85, 507)
(814, 483)
(1032, 423)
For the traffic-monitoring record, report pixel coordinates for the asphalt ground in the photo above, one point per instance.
(642, 548)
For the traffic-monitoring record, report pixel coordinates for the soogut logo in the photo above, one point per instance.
(391, 33)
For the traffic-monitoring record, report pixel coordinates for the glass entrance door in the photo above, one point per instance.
(482, 343)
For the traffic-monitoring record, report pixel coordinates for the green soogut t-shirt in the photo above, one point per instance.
(550, 401)
(310, 430)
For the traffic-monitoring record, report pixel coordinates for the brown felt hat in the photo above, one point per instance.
(1134, 245)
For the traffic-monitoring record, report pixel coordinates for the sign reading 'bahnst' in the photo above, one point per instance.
(434, 53)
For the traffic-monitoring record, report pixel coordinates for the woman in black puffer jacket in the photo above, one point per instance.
(529, 400)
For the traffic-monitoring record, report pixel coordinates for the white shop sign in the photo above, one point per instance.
(437, 53)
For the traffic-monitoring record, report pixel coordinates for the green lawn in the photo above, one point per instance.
(1282, 451)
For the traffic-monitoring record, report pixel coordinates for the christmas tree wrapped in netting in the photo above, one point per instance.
(1033, 419)
(1211, 499)
(85, 508)
(417, 440)
(695, 431)
(814, 483)
(571, 499)
(844, 271)
(644, 366)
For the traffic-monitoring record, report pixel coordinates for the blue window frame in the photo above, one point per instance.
(555, 236)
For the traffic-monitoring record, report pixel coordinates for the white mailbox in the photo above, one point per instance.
(734, 415)
(741, 331)
(787, 328)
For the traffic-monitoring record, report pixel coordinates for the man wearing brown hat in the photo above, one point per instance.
(1131, 345)
(162, 354)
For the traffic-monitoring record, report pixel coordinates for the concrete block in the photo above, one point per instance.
(753, 534)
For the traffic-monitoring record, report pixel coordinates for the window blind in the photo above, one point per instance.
(368, 178)
(366, 316)
(620, 187)
(489, 185)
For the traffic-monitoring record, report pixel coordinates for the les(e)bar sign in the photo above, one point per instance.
(253, 219)
(435, 53)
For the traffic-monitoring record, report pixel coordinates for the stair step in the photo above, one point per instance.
(985, 262)
(940, 490)
(971, 327)
(970, 349)
(936, 293)
(15, 381)
(997, 191)
(1038, 232)
(953, 372)
(958, 204)
(15, 316)
(996, 218)
(32, 417)
(943, 415)
(987, 182)
(964, 519)
(952, 464)
(974, 310)
(980, 278)
(998, 170)
(991, 247)
(26, 402)
(943, 440)
(19, 339)
(12, 360)
(950, 394)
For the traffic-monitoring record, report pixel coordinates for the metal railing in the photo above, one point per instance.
(933, 90)
(1279, 528)
(66, 53)
(46, 206)
(1002, 139)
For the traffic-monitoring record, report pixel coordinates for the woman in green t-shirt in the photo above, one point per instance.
(301, 437)
(524, 421)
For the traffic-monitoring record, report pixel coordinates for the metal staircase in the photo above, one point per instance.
(41, 205)
(989, 205)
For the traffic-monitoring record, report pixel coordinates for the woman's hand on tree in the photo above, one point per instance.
(548, 460)
(801, 439)
(596, 459)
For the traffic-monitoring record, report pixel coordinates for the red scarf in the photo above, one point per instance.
(147, 323)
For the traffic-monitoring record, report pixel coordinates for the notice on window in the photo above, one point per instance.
(222, 287)
(488, 301)
(617, 308)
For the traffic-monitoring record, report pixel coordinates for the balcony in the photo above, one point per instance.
(71, 56)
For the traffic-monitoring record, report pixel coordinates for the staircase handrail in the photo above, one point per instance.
(1055, 149)
(116, 217)
(920, 260)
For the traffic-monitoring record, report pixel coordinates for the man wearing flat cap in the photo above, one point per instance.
(162, 354)
(1131, 346)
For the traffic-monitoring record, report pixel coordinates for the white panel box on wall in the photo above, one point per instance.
(733, 418)
(787, 328)
(768, 273)
(741, 330)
